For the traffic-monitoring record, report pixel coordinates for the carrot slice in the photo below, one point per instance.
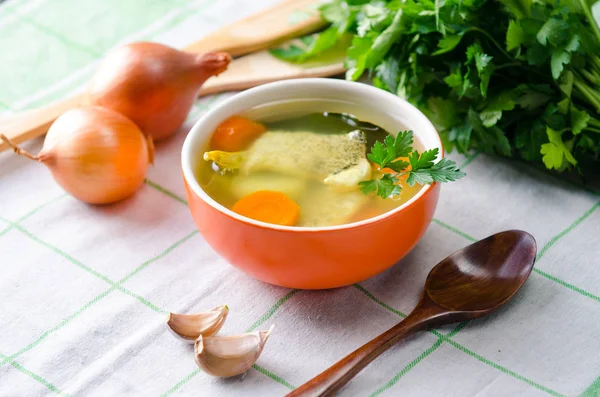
(235, 134)
(268, 206)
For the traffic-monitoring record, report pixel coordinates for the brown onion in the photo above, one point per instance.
(152, 84)
(98, 155)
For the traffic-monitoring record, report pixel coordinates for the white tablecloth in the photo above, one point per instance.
(84, 290)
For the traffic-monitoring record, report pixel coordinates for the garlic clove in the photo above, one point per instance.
(227, 356)
(190, 326)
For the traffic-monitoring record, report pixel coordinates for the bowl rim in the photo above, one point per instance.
(283, 86)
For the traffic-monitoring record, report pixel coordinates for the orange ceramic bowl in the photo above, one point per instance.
(312, 257)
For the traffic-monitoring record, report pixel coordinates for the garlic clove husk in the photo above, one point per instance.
(189, 327)
(227, 356)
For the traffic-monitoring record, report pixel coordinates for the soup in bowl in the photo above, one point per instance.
(288, 200)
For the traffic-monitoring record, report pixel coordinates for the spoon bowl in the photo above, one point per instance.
(484, 275)
(468, 284)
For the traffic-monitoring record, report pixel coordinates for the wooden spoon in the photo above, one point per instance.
(262, 30)
(470, 283)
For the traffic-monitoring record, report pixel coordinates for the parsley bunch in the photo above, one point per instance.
(420, 168)
(511, 77)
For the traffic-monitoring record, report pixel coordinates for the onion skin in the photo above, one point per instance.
(154, 85)
(97, 155)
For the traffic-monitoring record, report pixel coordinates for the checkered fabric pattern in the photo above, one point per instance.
(84, 290)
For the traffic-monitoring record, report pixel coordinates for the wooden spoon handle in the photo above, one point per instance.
(262, 30)
(261, 68)
(328, 382)
(258, 31)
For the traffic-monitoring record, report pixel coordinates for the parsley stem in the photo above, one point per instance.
(593, 121)
(490, 38)
(595, 63)
(592, 77)
(590, 18)
(592, 96)
(508, 65)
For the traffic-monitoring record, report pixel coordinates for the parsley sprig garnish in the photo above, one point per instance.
(399, 159)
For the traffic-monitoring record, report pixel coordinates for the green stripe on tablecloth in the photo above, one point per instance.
(30, 213)
(501, 368)
(273, 377)
(6, 230)
(89, 269)
(407, 369)
(32, 375)
(572, 226)
(181, 383)
(272, 310)
(157, 257)
(379, 302)
(99, 297)
(454, 230)
(19, 6)
(165, 191)
(565, 284)
(5, 106)
(446, 338)
(192, 10)
(50, 32)
(64, 322)
(593, 390)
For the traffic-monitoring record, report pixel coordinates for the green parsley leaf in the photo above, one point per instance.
(532, 98)
(530, 136)
(515, 36)
(483, 65)
(388, 71)
(460, 135)
(448, 43)
(495, 106)
(385, 154)
(385, 187)
(445, 170)
(398, 165)
(379, 154)
(309, 46)
(579, 120)
(403, 144)
(442, 113)
(537, 54)
(356, 57)
(555, 152)
(557, 61)
(554, 31)
(422, 160)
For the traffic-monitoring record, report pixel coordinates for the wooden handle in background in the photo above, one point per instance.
(258, 31)
(260, 68)
(265, 29)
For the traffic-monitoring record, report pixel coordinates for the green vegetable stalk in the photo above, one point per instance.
(511, 77)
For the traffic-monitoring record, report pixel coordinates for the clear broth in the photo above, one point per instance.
(320, 204)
